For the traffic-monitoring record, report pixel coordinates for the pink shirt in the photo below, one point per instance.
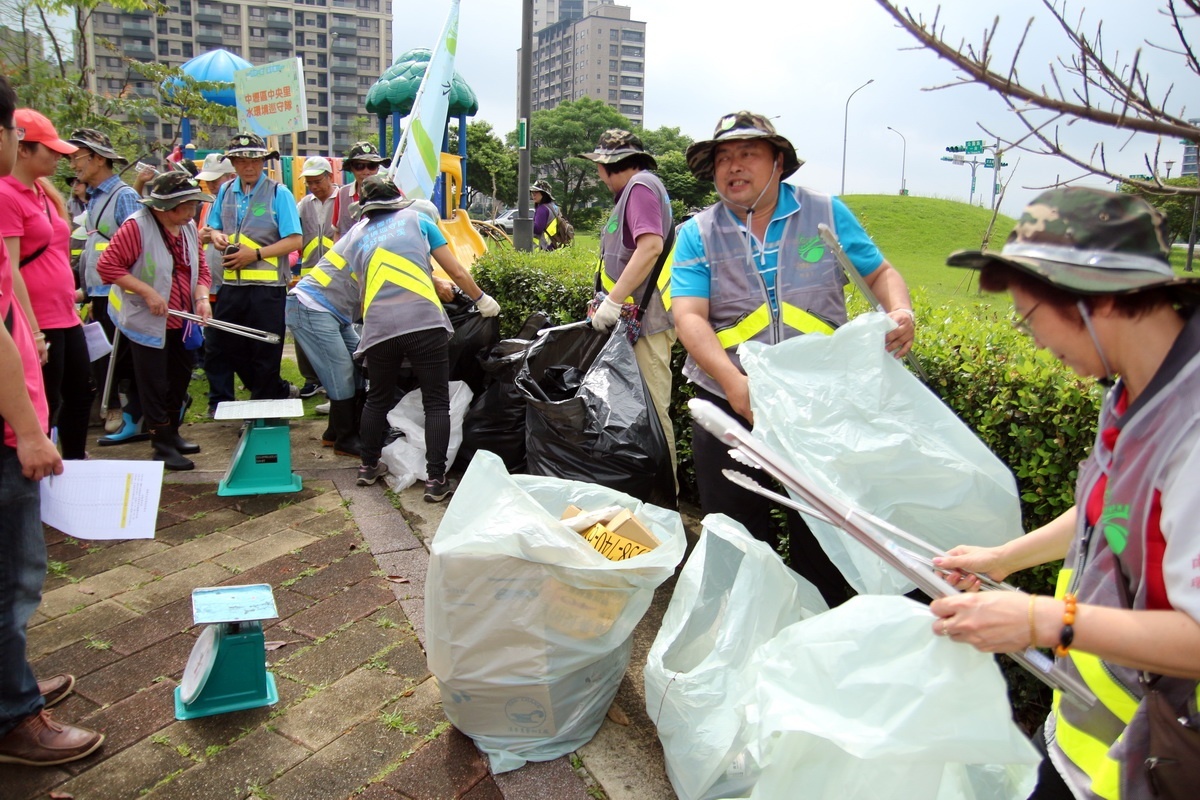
(14, 318)
(30, 215)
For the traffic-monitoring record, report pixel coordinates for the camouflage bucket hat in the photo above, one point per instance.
(737, 126)
(366, 152)
(617, 145)
(98, 143)
(1087, 241)
(170, 189)
(378, 192)
(544, 188)
(249, 145)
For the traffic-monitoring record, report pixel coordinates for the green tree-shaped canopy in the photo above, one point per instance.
(396, 89)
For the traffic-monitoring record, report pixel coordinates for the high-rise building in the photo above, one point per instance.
(601, 55)
(1190, 164)
(345, 45)
(548, 12)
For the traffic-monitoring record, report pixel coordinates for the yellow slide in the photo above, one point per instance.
(463, 239)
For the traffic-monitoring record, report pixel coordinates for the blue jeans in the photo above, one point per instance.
(329, 345)
(22, 570)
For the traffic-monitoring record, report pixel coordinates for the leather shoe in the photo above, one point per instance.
(54, 690)
(39, 741)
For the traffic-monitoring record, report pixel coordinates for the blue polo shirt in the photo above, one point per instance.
(287, 218)
(690, 272)
(124, 204)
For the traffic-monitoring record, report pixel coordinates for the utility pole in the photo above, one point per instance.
(903, 160)
(845, 129)
(523, 224)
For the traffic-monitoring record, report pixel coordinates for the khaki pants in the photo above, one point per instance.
(654, 359)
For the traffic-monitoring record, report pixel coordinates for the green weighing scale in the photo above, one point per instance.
(262, 462)
(227, 670)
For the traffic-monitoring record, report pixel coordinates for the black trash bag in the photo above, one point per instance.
(473, 335)
(608, 432)
(496, 419)
(562, 382)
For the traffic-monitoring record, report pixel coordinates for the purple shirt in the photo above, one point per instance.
(541, 218)
(643, 214)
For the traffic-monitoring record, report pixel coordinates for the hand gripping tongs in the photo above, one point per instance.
(875, 534)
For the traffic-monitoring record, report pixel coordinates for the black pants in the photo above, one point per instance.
(719, 496)
(255, 362)
(162, 376)
(427, 352)
(1050, 785)
(69, 390)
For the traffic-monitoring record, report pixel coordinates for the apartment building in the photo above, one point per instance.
(548, 12)
(345, 46)
(601, 55)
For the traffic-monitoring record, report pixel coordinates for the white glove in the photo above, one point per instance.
(606, 315)
(488, 306)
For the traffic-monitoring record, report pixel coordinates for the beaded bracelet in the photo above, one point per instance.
(1032, 625)
(1068, 630)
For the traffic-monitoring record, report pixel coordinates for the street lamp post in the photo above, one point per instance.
(903, 160)
(845, 126)
(1169, 165)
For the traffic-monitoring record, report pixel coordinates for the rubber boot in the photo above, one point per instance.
(341, 421)
(130, 432)
(183, 445)
(163, 441)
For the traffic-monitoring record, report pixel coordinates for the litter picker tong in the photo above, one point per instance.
(877, 535)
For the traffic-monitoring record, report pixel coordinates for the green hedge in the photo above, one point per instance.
(1033, 413)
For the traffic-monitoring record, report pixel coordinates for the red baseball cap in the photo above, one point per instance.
(39, 129)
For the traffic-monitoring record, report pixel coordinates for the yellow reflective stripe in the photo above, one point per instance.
(803, 321)
(386, 267)
(1089, 754)
(323, 241)
(1107, 691)
(251, 275)
(101, 246)
(552, 228)
(320, 276)
(241, 238)
(335, 259)
(664, 280)
(749, 327)
(114, 297)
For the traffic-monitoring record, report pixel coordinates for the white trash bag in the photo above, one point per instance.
(528, 628)
(405, 457)
(864, 702)
(852, 418)
(733, 595)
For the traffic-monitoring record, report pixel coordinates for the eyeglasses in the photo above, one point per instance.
(359, 166)
(1020, 322)
(75, 159)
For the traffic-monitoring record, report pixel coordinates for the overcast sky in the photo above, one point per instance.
(799, 61)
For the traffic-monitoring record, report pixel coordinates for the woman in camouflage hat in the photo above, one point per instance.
(544, 215)
(1090, 280)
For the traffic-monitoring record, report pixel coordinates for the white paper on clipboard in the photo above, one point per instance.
(103, 499)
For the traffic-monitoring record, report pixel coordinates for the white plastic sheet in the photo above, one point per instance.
(864, 703)
(733, 595)
(855, 420)
(528, 628)
(405, 457)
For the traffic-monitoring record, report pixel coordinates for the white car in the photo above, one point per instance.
(505, 221)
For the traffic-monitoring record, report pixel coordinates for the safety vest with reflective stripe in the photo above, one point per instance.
(1102, 752)
(390, 260)
(99, 231)
(259, 229)
(808, 281)
(318, 229)
(156, 266)
(614, 255)
(332, 285)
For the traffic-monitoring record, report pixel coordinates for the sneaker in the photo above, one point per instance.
(438, 490)
(368, 475)
(39, 741)
(54, 690)
(322, 408)
(310, 389)
(293, 391)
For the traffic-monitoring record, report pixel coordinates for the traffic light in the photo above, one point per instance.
(956, 148)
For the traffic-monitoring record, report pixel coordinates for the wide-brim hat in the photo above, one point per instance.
(617, 145)
(378, 193)
(739, 126)
(544, 188)
(214, 167)
(97, 142)
(366, 153)
(249, 145)
(1087, 241)
(170, 189)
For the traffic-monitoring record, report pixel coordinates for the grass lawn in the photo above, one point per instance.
(198, 389)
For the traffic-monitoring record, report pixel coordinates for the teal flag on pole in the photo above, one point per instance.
(417, 161)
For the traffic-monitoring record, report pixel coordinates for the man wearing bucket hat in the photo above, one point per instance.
(545, 216)
(403, 318)
(163, 232)
(254, 222)
(362, 160)
(110, 202)
(319, 232)
(1090, 281)
(630, 248)
(752, 268)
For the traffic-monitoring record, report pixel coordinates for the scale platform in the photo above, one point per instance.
(227, 669)
(262, 462)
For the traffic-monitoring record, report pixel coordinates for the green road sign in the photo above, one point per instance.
(522, 133)
(1140, 177)
(989, 163)
(974, 146)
